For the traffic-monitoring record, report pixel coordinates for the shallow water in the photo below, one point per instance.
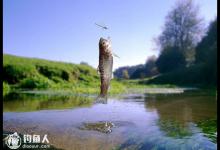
(139, 121)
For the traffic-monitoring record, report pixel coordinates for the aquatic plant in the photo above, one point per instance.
(209, 128)
(174, 129)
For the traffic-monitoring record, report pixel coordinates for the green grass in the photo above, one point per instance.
(40, 74)
(141, 83)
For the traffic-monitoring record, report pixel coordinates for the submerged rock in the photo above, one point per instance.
(102, 126)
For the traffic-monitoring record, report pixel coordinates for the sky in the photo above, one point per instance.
(65, 30)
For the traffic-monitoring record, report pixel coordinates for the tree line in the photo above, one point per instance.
(184, 44)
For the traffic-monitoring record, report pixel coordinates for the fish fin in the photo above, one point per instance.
(115, 55)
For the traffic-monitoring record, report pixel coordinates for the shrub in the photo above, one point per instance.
(50, 72)
(6, 88)
(39, 82)
(13, 73)
(186, 76)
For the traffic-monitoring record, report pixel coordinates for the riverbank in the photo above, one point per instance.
(20, 73)
(32, 74)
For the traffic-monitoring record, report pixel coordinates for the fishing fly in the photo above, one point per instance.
(103, 27)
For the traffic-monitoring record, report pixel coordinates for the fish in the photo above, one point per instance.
(105, 65)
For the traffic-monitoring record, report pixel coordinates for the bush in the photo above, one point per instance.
(52, 72)
(13, 73)
(39, 82)
(187, 76)
(6, 88)
(87, 70)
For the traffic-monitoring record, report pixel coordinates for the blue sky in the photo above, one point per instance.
(64, 30)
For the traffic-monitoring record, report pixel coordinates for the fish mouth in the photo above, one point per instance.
(102, 39)
(104, 44)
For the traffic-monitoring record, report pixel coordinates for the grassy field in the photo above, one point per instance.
(40, 74)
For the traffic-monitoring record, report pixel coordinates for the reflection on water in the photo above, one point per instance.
(176, 112)
(31, 102)
(136, 121)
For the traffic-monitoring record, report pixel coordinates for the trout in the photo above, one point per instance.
(105, 65)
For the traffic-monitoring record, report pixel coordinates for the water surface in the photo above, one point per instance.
(137, 121)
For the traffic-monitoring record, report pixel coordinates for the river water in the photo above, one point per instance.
(142, 121)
